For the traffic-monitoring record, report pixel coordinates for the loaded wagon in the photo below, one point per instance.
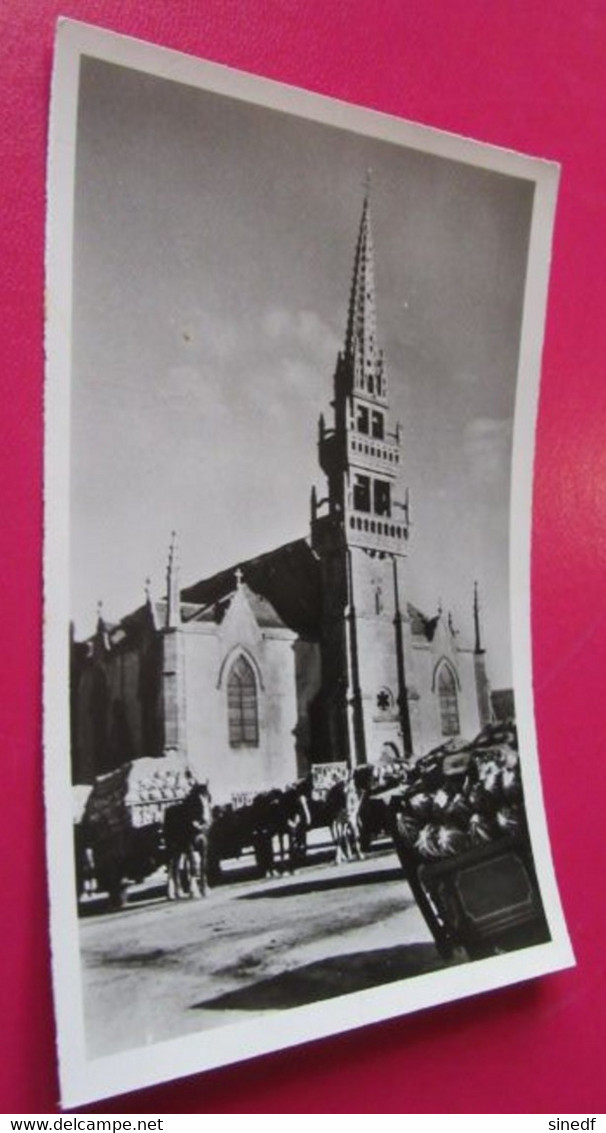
(124, 817)
(462, 840)
(486, 900)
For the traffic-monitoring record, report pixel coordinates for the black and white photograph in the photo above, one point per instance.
(293, 359)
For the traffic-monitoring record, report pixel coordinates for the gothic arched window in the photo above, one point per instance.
(449, 705)
(242, 710)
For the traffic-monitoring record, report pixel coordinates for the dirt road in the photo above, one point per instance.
(160, 970)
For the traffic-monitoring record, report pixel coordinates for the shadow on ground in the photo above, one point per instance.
(155, 891)
(325, 884)
(100, 903)
(325, 979)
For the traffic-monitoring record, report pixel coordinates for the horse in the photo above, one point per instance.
(187, 828)
(281, 815)
(297, 821)
(267, 818)
(344, 802)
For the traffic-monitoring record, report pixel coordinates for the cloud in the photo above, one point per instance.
(293, 330)
(465, 378)
(300, 377)
(294, 351)
(181, 387)
(277, 322)
(205, 333)
(487, 448)
(225, 378)
(185, 390)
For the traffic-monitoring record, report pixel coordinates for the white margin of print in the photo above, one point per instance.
(85, 1080)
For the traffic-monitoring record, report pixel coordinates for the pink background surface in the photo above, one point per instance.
(530, 76)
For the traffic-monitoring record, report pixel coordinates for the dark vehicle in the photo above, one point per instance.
(459, 829)
(123, 820)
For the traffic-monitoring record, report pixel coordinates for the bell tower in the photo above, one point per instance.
(360, 533)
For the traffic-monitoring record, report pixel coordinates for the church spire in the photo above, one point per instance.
(173, 592)
(364, 359)
(360, 537)
(476, 620)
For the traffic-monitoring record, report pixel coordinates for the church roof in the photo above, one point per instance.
(264, 613)
(282, 587)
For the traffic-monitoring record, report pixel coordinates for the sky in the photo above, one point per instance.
(213, 254)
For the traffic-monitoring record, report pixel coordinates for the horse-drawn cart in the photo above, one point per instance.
(124, 816)
(459, 828)
(485, 900)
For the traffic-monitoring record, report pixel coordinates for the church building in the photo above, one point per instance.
(311, 653)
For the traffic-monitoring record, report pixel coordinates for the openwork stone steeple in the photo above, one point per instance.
(363, 358)
(359, 531)
(361, 452)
